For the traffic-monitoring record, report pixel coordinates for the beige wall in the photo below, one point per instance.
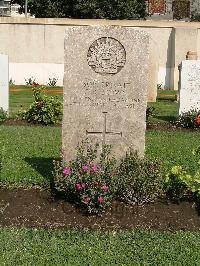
(35, 46)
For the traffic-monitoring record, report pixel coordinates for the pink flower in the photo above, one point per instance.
(94, 168)
(67, 171)
(105, 188)
(85, 168)
(78, 186)
(100, 200)
(83, 185)
(86, 199)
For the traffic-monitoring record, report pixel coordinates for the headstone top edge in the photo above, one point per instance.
(104, 27)
(189, 62)
(2, 54)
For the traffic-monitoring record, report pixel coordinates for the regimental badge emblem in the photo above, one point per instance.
(106, 56)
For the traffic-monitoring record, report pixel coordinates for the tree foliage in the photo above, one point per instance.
(96, 9)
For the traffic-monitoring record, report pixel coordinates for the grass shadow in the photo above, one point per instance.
(169, 119)
(44, 166)
(166, 99)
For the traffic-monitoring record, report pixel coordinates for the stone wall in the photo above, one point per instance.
(36, 46)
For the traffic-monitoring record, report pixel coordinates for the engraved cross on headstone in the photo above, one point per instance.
(104, 132)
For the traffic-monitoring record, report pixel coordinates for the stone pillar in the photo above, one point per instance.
(185, 39)
(153, 73)
(191, 55)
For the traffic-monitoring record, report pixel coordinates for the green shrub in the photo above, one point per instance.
(176, 183)
(110, 9)
(11, 82)
(159, 86)
(3, 115)
(88, 180)
(104, 9)
(52, 82)
(30, 81)
(139, 180)
(2, 152)
(149, 112)
(189, 119)
(44, 110)
(180, 185)
(195, 16)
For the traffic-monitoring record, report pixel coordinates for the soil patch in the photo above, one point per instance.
(17, 122)
(160, 126)
(34, 208)
(170, 127)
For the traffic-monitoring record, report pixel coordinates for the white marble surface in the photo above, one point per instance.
(189, 86)
(4, 82)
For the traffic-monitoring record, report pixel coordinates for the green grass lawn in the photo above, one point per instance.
(165, 111)
(173, 148)
(28, 156)
(52, 248)
(27, 161)
(29, 152)
(166, 108)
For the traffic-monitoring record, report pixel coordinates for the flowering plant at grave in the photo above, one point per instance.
(44, 109)
(88, 180)
(179, 184)
(189, 119)
(35, 84)
(198, 120)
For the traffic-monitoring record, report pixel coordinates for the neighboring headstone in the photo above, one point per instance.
(105, 87)
(153, 73)
(180, 50)
(4, 82)
(189, 85)
(191, 55)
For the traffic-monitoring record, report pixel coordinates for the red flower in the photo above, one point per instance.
(35, 84)
(198, 120)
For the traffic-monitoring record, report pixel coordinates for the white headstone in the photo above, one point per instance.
(189, 86)
(4, 82)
